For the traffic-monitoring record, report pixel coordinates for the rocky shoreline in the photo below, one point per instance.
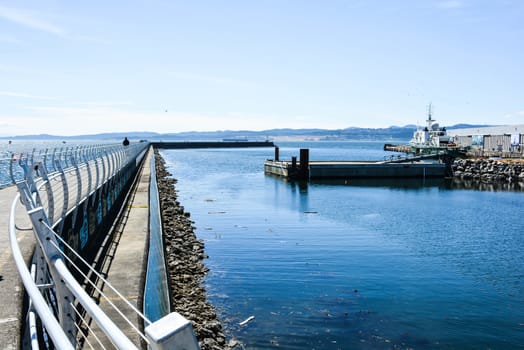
(489, 170)
(184, 255)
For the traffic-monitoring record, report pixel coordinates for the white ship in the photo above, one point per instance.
(430, 138)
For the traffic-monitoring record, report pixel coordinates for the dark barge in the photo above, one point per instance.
(304, 169)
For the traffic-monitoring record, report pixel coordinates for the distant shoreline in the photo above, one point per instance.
(299, 134)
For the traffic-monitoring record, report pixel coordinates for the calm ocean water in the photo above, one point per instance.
(354, 266)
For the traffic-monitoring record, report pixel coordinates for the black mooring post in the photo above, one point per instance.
(294, 162)
(303, 171)
(276, 153)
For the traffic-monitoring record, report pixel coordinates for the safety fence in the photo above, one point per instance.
(72, 197)
(15, 163)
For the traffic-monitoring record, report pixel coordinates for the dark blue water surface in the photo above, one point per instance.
(366, 265)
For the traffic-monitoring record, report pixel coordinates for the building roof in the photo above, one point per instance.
(491, 130)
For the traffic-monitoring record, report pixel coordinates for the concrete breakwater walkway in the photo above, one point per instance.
(489, 170)
(11, 287)
(125, 266)
(184, 254)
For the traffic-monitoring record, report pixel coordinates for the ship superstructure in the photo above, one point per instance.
(431, 137)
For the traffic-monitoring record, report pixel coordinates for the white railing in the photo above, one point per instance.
(14, 164)
(51, 194)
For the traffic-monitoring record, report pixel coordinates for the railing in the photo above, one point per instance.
(14, 164)
(69, 190)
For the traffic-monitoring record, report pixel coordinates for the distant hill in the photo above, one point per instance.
(351, 133)
(468, 126)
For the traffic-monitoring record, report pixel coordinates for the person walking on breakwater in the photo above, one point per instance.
(125, 142)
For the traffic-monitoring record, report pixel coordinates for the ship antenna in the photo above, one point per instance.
(429, 111)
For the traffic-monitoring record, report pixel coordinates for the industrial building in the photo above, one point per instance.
(505, 141)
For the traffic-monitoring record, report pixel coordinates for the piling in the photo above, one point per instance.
(303, 171)
(277, 151)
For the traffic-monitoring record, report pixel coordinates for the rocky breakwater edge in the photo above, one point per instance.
(185, 254)
(489, 170)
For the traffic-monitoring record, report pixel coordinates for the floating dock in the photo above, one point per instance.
(305, 169)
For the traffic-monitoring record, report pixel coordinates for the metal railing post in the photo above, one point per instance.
(32, 157)
(103, 159)
(89, 176)
(53, 327)
(11, 161)
(47, 241)
(97, 182)
(65, 191)
(44, 159)
(48, 189)
(113, 163)
(64, 297)
(53, 159)
(78, 187)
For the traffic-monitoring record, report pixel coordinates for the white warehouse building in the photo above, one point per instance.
(503, 140)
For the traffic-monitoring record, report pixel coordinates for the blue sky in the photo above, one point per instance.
(83, 67)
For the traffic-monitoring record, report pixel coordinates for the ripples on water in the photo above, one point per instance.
(354, 265)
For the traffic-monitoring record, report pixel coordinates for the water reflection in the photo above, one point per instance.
(299, 199)
(405, 183)
(408, 184)
(458, 184)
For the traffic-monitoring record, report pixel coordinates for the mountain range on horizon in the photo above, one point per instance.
(351, 133)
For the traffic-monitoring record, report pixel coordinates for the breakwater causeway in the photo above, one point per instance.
(184, 255)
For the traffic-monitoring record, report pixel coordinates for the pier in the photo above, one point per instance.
(89, 210)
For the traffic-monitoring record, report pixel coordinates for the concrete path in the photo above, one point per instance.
(11, 288)
(125, 263)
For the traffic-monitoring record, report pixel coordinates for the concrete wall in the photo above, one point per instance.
(86, 226)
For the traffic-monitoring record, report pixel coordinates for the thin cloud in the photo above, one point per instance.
(22, 95)
(28, 19)
(208, 78)
(106, 104)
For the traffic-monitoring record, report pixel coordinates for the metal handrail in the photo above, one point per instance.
(54, 328)
(106, 282)
(14, 164)
(115, 334)
(51, 191)
(56, 263)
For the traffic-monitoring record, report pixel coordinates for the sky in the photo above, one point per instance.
(87, 67)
